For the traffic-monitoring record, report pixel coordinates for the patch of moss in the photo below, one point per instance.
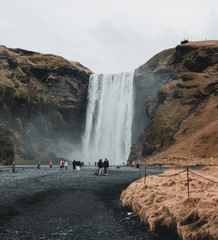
(178, 93)
(189, 76)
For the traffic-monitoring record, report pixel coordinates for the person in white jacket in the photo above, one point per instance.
(65, 164)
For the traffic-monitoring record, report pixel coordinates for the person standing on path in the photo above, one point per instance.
(78, 165)
(61, 164)
(100, 166)
(50, 164)
(106, 165)
(38, 165)
(66, 164)
(13, 166)
(74, 164)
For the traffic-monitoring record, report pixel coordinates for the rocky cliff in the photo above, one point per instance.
(177, 101)
(42, 101)
(6, 146)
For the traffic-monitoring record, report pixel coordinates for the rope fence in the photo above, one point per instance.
(203, 177)
(187, 170)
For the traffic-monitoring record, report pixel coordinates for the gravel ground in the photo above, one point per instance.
(48, 203)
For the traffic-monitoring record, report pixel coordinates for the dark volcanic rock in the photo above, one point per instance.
(6, 146)
(43, 100)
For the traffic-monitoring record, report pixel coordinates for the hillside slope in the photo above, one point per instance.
(182, 122)
(42, 101)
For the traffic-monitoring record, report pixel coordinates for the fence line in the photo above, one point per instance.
(170, 175)
(175, 174)
(204, 177)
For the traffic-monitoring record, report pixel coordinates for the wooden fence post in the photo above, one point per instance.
(145, 176)
(188, 180)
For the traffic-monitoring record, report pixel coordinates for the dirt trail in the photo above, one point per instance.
(54, 204)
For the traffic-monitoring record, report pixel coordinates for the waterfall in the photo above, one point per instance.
(109, 118)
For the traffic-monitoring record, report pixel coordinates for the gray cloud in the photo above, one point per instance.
(106, 36)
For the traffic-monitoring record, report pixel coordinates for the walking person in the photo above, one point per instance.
(106, 165)
(78, 165)
(38, 165)
(65, 164)
(13, 166)
(100, 166)
(61, 164)
(50, 164)
(74, 164)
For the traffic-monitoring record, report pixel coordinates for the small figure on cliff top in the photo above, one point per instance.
(184, 41)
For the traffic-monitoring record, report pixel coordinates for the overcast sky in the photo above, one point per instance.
(107, 36)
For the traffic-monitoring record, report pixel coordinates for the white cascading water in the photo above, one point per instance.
(109, 118)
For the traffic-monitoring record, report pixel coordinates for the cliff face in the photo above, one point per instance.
(6, 145)
(179, 87)
(42, 101)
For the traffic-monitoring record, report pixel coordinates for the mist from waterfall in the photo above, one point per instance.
(109, 118)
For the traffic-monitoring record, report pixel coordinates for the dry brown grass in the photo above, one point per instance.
(163, 203)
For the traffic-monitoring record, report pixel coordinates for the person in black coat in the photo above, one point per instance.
(106, 165)
(74, 164)
(100, 166)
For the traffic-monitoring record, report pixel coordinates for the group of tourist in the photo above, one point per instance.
(63, 164)
(76, 165)
(104, 165)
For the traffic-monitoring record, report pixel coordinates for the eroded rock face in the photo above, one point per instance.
(6, 146)
(177, 97)
(42, 101)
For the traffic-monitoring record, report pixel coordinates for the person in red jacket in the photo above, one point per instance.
(61, 164)
(50, 163)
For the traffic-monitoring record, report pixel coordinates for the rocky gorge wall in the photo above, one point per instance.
(176, 100)
(42, 102)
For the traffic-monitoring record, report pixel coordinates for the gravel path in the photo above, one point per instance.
(48, 203)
